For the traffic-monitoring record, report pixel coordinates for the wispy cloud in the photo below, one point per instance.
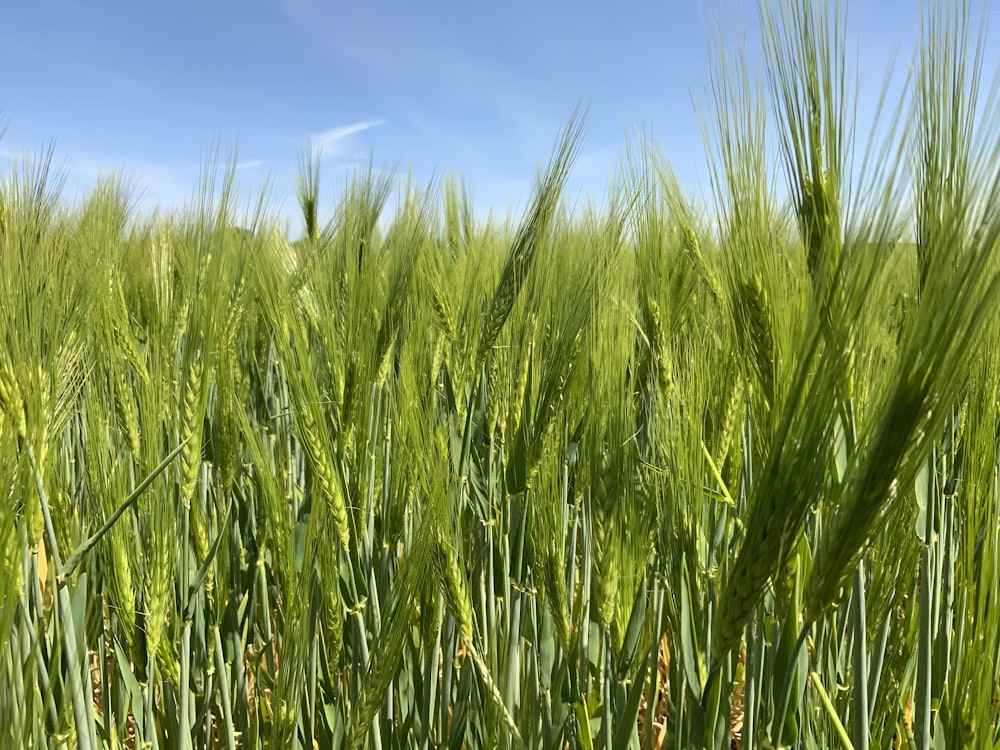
(115, 79)
(150, 186)
(332, 142)
(250, 164)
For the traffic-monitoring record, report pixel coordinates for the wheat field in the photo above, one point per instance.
(639, 474)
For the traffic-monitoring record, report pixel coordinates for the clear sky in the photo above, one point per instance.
(480, 89)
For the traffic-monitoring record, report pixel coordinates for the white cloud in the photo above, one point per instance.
(250, 164)
(152, 185)
(331, 142)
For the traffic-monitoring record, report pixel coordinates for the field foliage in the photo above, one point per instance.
(648, 474)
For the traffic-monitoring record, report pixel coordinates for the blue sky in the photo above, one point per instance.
(480, 89)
